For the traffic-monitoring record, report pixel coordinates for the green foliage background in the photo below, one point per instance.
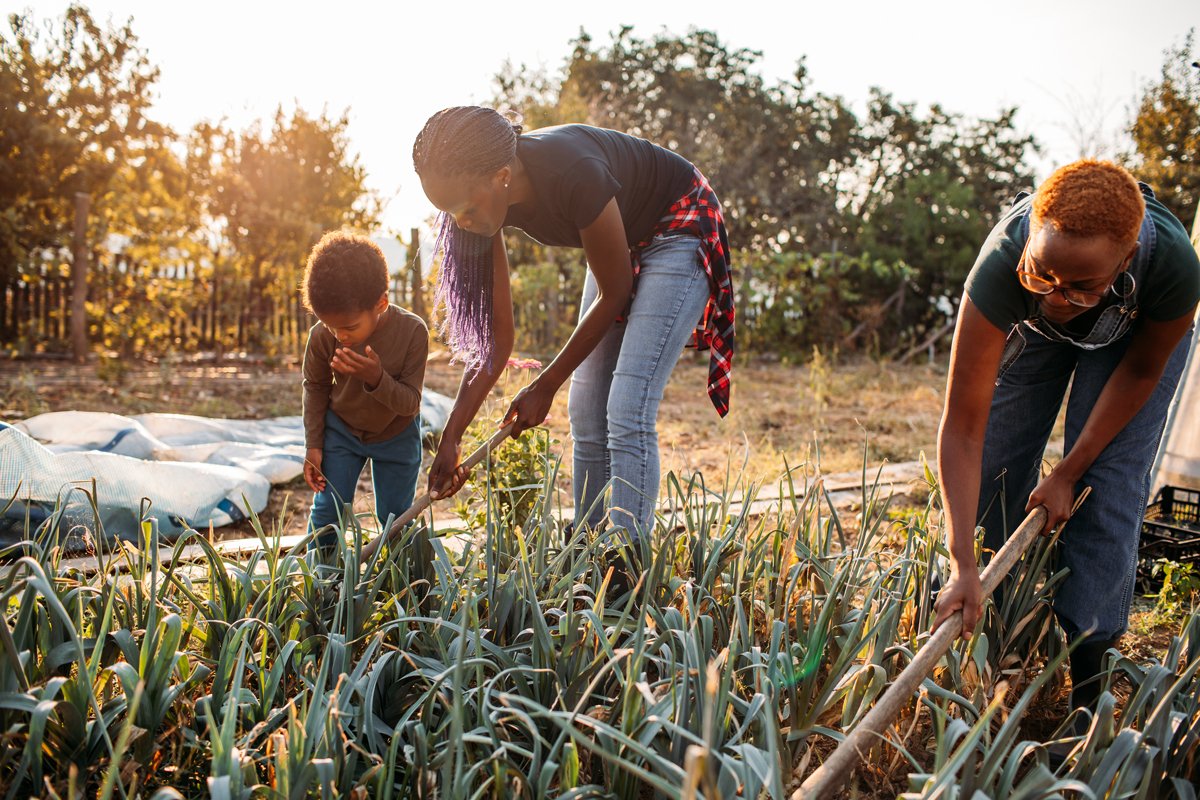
(197, 238)
(850, 226)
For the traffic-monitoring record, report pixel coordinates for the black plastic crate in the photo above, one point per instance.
(1171, 529)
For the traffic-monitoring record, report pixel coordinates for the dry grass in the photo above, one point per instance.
(233, 390)
(778, 411)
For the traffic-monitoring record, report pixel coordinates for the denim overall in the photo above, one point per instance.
(1039, 362)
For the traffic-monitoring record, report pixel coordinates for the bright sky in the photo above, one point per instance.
(392, 64)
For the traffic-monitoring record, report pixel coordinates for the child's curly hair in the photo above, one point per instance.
(1091, 198)
(345, 273)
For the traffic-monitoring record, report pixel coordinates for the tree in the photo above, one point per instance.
(928, 189)
(774, 152)
(217, 218)
(1166, 132)
(75, 102)
(272, 194)
(909, 196)
(144, 285)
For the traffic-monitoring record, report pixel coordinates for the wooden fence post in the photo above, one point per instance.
(6, 331)
(414, 264)
(400, 289)
(79, 273)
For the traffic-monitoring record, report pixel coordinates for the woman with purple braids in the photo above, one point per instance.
(658, 275)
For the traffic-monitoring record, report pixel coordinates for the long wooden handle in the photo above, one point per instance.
(425, 500)
(869, 731)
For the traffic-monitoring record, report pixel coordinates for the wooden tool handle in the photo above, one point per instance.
(425, 500)
(869, 731)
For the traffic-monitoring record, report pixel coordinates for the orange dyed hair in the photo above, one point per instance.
(1091, 198)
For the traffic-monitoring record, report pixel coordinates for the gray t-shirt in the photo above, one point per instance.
(1170, 288)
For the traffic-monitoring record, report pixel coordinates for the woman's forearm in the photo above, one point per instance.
(587, 334)
(1122, 397)
(1128, 388)
(960, 457)
(974, 359)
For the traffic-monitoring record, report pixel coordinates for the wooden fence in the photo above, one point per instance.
(35, 307)
(35, 313)
(133, 309)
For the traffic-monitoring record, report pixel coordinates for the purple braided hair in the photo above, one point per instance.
(464, 290)
(475, 142)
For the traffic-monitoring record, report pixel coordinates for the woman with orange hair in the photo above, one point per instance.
(1089, 283)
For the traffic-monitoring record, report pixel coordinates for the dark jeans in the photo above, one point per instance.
(1100, 543)
(395, 466)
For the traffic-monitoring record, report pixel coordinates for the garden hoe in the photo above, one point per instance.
(425, 500)
(834, 771)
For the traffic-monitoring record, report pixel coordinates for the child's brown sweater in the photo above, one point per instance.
(401, 341)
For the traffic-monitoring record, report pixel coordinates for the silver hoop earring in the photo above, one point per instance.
(1130, 285)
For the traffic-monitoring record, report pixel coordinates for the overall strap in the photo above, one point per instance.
(1147, 240)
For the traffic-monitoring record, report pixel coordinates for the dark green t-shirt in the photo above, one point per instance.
(1170, 288)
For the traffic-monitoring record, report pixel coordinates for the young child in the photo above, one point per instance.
(363, 369)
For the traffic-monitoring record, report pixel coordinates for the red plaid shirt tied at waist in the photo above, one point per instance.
(698, 213)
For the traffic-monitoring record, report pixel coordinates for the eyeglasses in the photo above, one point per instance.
(1084, 298)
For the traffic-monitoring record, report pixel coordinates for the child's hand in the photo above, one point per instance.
(312, 470)
(367, 368)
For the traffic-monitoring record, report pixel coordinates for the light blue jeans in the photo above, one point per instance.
(1100, 542)
(615, 393)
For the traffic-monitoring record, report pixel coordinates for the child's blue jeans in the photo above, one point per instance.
(1100, 542)
(395, 467)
